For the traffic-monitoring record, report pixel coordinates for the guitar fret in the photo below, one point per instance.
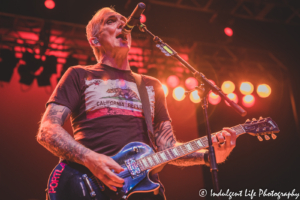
(145, 162)
(169, 156)
(185, 151)
(188, 146)
(163, 156)
(175, 152)
(150, 161)
(156, 158)
(180, 150)
(141, 166)
(199, 143)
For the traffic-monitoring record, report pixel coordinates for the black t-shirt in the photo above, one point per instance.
(106, 107)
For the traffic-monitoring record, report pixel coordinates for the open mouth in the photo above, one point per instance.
(122, 36)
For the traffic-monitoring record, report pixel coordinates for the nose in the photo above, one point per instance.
(121, 24)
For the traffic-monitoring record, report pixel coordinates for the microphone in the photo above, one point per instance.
(134, 18)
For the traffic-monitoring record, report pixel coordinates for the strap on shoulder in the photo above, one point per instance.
(146, 106)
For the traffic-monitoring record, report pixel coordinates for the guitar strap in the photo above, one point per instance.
(146, 106)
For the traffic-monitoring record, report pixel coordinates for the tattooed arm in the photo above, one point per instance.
(165, 138)
(59, 142)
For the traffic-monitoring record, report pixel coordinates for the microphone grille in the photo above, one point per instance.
(142, 5)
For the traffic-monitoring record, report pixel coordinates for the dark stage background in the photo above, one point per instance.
(273, 165)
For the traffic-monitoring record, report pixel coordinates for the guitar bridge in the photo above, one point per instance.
(133, 167)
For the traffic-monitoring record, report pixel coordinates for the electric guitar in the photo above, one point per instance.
(74, 181)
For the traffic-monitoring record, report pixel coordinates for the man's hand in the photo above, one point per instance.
(224, 142)
(101, 166)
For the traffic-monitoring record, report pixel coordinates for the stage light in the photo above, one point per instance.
(248, 100)
(50, 4)
(49, 69)
(195, 97)
(8, 63)
(179, 93)
(28, 70)
(246, 88)
(232, 97)
(191, 83)
(228, 31)
(213, 98)
(165, 88)
(228, 87)
(263, 90)
(173, 81)
(143, 18)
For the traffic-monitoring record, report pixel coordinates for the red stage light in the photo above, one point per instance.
(191, 83)
(18, 55)
(50, 4)
(20, 41)
(232, 97)
(248, 100)
(143, 18)
(173, 81)
(228, 31)
(213, 98)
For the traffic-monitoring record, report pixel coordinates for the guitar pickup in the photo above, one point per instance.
(133, 167)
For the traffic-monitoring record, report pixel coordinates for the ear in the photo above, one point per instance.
(94, 42)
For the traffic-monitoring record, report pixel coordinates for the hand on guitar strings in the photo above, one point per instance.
(224, 143)
(102, 167)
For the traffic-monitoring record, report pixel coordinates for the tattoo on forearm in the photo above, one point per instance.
(61, 144)
(164, 136)
(195, 158)
(56, 139)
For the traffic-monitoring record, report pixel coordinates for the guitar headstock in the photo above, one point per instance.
(262, 126)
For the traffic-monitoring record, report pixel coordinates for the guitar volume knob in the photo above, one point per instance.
(260, 138)
(273, 136)
(267, 137)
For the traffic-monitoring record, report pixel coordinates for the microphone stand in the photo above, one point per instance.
(203, 91)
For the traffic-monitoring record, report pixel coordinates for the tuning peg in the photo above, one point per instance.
(260, 138)
(254, 119)
(273, 136)
(267, 137)
(271, 128)
(248, 121)
(257, 130)
(264, 129)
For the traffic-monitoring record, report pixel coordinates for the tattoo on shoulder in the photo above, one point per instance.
(58, 114)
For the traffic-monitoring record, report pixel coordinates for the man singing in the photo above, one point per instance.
(106, 111)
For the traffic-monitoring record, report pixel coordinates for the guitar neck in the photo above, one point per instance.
(173, 153)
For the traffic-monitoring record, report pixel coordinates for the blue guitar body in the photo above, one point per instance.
(68, 180)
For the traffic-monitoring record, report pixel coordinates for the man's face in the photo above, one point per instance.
(110, 34)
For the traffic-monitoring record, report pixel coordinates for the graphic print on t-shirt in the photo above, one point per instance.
(115, 97)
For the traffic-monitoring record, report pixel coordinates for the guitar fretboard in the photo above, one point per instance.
(173, 153)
